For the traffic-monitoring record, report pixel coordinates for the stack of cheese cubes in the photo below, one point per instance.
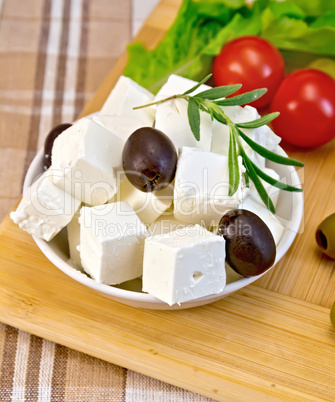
(117, 233)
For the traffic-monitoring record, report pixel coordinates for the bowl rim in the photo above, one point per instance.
(35, 170)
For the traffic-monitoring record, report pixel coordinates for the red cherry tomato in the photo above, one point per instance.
(306, 102)
(253, 62)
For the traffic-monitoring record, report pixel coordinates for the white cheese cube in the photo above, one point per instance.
(111, 243)
(177, 85)
(126, 95)
(237, 114)
(184, 265)
(202, 187)
(148, 206)
(120, 126)
(44, 209)
(262, 135)
(87, 162)
(165, 224)
(273, 192)
(73, 235)
(266, 137)
(171, 116)
(254, 204)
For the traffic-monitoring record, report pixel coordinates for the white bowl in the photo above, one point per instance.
(289, 211)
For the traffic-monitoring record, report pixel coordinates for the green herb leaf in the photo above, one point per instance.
(242, 99)
(259, 122)
(275, 182)
(198, 85)
(211, 112)
(271, 156)
(234, 174)
(246, 176)
(193, 114)
(257, 182)
(205, 102)
(219, 118)
(219, 92)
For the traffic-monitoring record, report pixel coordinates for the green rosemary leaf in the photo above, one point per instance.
(257, 182)
(211, 112)
(234, 174)
(214, 114)
(273, 181)
(242, 99)
(246, 176)
(259, 122)
(189, 91)
(219, 92)
(209, 101)
(219, 118)
(193, 114)
(271, 156)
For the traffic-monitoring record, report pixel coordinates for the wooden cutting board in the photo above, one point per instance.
(270, 341)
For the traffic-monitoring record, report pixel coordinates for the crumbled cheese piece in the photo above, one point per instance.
(148, 206)
(44, 209)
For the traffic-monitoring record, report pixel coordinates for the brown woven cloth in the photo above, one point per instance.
(53, 56)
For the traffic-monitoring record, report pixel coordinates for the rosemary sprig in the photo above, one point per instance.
(210, 101)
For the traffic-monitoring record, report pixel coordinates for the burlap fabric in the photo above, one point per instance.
(53, 56)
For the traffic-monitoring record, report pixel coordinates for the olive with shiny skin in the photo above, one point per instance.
(325, 236)
(149, 159)
(49, 141)
(250, 247)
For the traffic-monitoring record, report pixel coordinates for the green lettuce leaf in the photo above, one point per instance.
(291, 33)
(314, 8)
(202, 27)
(198, 33)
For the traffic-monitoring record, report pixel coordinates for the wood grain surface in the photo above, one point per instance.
(272, 340)
(255, 342)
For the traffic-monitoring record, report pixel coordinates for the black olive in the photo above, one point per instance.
(49, 141)
(250, 247)
(149, 159)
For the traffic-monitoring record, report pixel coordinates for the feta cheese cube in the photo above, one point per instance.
(202, 187)
(124, 97)
(265, 136)
(120, 126)
(165, 224)
(44, 209)
(184, 265)
(273, 192)
(262, 135)
(87, 162)
(171, 116)
(148, 206)
(73, 235)
(254, 204)
(111, 242)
